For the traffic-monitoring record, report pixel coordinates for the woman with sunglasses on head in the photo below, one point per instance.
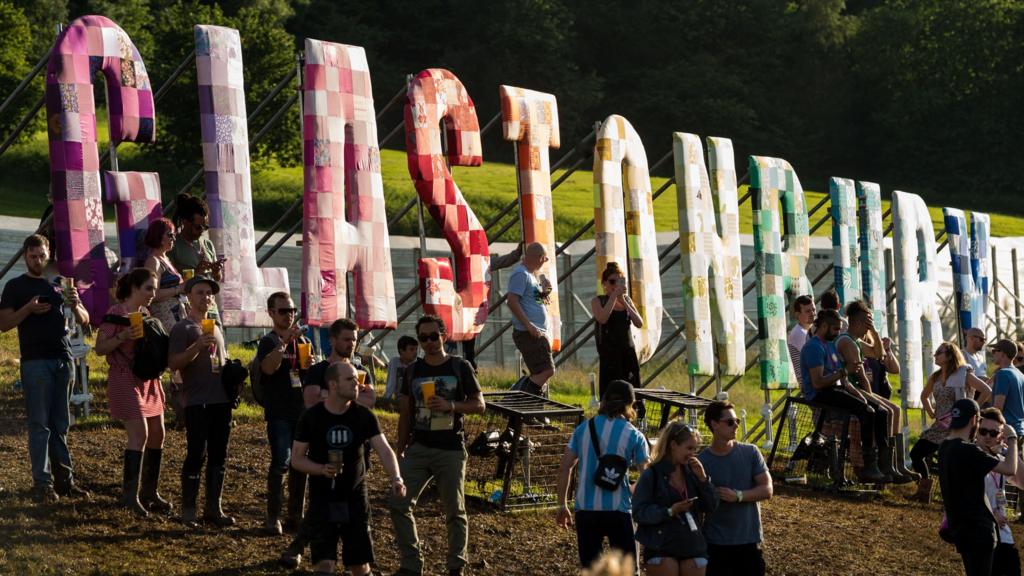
(166, 306)
(136, 402)
(614, 312)
(951, 382)
(669, 504)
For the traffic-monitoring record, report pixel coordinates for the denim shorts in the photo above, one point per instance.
(656, 561)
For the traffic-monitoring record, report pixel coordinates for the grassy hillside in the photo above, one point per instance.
(489, 188)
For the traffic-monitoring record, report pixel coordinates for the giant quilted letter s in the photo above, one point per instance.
(88, 45)
(344, 224)
(434, 96)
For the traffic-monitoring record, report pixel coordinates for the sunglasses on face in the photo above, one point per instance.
(730, 421)
(287, 311)
(613, 281)
(988, 432)
(432, 337)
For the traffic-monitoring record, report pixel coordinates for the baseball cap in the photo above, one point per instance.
(1006, 346)
(963, 410)
(619, 391)
(197, 279)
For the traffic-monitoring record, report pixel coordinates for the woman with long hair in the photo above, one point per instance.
(136, 402)
(166, 305)
(614, 312)
(951, 382)
(669, 504)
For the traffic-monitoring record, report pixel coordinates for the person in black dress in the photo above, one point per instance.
(614, 312)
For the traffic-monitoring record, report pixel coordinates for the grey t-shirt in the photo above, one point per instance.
(734, 522)
(199, 384)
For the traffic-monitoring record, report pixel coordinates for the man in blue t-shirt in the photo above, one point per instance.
(824, 383)
(1008, 385)
(528, 296)
(600, 512)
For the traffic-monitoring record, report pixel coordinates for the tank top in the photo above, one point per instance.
(615, 333)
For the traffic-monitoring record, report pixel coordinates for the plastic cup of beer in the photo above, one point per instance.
(428, 389)
(208, 325)
(361, 377)
(334, 458)
(187, 274)
(68, 286)
(136, 324)
(305, 350)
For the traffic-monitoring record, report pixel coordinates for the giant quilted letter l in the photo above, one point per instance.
(88, 45)
(434, 96)
(344, 225)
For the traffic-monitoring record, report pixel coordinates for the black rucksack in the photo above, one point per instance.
(150, 359)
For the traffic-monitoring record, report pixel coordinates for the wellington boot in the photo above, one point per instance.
(901, 460)
(296, 499)
(870, 473)
(130, 483)
(924, 491)
(189, 495)
(148, 494)
(212, 507)
(275, 498)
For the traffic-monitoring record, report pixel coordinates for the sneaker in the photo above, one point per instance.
(45, 495)
(74, 491)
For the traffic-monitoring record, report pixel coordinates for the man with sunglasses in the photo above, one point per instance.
(991, 438)
(193, 249)
(974, 351)
(282, 380)
(527, 299)
(733, 530)
(963, 467)
(1008, 385)
(435, 393)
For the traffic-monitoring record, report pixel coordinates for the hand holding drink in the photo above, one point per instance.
(136, 324)
(305, 350)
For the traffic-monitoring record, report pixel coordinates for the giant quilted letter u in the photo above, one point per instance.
(436, 95)
(90, 44)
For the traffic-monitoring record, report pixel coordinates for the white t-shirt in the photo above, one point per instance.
(994, 485)
(977, 362)
(796, 340)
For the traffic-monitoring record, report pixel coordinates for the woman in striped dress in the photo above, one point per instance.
(138, 403)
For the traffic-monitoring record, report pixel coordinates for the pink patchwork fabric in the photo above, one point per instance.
(344, 226)
(435, 95)
(136, 199)
(88, 45)
(530, 119)
(244, 286)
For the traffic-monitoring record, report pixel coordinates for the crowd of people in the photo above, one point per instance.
(694, 510)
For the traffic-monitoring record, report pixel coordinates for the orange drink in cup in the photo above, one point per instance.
(305, 350)
(208, 325)
(187, 274)
(361, 377)
(428, 389)
(136, 324)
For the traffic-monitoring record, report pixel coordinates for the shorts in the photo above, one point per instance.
(357, 545)
(655, 558)
(536, 351)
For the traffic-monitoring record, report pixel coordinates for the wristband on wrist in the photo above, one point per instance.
(669, 510)
(739, 495)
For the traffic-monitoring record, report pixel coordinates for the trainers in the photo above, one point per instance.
(45, 495)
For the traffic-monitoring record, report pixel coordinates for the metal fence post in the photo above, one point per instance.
(995, 292)
(570, 304)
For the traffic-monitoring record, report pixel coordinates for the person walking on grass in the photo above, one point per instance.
(603, 492)
(136, 402)
(527, 299)
(36, 308)
(329, 445)
(437, 391)
(207, 410)
(963, 466)
(733, 530)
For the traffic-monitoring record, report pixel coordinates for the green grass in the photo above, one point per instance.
(488, 188)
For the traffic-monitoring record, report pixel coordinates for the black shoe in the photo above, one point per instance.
(44, 495)
(73, 490)
(292, 556)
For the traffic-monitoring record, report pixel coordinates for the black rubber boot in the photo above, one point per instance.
(148, 494)
(275, 498)
(212, 507)
(870, 473)
(189, 495)
(130, 482)
(296, 499)
(885, 463)
(901, 460)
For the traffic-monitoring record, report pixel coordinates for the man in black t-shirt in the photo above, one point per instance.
(282, 403)
(436, 391)
(329, 444)
(962, 469)
(343, 335)
(36, 307)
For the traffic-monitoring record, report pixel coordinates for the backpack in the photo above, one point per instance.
(256, 374)
(150, 358)
(612, 469)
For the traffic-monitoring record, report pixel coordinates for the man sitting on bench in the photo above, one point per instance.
(825, 385)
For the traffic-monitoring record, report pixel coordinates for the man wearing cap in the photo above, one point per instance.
(974, 351)
(199, 354)
(963, 466)
(1008, 385)
(602, 512)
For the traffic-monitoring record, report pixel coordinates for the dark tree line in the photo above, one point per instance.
(919, 95)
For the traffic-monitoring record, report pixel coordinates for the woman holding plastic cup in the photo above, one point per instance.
(138, 403)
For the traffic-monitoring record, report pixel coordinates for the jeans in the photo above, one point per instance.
(593, 526)
(47, 388)
(280, 434)
(207, 430)
(919, 455)
(420, 464)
